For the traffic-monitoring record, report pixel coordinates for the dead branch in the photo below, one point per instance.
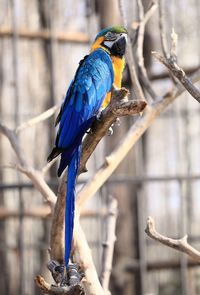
(45, 115)
(134, 133)
(46, 288)
(76, 37)
(178, 244)
(84, 258)
(33, 212)
(108, 246)
(143, 18)
(130, 59)
(42, 187)
(57, 227)
(162, 28)
(11, 135)
(178, 72)
(118, 107)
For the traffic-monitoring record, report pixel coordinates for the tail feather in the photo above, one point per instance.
(70, 200)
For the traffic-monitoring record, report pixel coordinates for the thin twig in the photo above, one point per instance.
(141, 31)
(178, 72)
(178, 244)
(162, 29)
(45, 115)
(130, 59)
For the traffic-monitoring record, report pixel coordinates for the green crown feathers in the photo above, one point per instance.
(114, 29)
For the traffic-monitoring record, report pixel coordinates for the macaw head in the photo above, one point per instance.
(112, 39)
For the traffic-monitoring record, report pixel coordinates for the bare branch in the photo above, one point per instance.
(162, 29)
(174, 40)
(85, 260)
(48, 166)
(180, 244)
(118, 107)
(108, 246)
(45, 115)
(153, 6)
(142, 21)
(130, 59)
(62, 36)
(11, 135)
(125, 145)
(57, 227)
(33, 212)
(178, 72)
(46, 288)
(34, 175)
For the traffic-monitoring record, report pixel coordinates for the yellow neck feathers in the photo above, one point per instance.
(118, 67)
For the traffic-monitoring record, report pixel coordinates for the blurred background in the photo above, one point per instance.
(41, 43)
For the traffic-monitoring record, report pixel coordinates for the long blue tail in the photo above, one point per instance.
(70, 200)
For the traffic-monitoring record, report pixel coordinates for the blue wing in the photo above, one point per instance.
(83, 100)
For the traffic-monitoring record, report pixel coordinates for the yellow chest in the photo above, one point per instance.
(118, 67)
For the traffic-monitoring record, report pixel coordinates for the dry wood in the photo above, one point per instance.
(163, 40)
(178, 72)
(134, 133)
(130, 58)
(178, 244)
(118, 107)
(143, 18)
(92, 285)
(141, 125)
(46, 288)
(45, 115)
(108, 246)
(33, 212)
(76, 37)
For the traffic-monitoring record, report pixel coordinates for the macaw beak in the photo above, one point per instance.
(119, 47)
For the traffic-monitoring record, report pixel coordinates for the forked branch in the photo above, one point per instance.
(46, 288)
(178, 72)
(178, 244)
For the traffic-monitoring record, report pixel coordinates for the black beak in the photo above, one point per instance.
(119, 47)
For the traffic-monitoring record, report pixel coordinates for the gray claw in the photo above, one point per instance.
(99, 115)
(110, 131)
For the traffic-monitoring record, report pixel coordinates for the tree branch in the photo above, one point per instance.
(125, 145)
(143, 18)
(118, 107)
(130, 58)
(45, 115)
(180, 244)
(108, 246)
(162, 29)
(178, 72)
(46, 288)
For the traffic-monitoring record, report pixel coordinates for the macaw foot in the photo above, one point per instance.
(63, 276)
(99, 115)
(56, 270)
(71, 275)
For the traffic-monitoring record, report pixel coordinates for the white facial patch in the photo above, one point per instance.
(109, 44)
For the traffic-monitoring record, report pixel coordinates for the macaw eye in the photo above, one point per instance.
(110, 36)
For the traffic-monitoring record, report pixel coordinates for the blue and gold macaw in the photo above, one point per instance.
(89, 91)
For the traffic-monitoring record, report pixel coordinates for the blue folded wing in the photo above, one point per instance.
(92, 81)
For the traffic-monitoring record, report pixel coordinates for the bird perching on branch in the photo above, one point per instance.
(89, 91)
